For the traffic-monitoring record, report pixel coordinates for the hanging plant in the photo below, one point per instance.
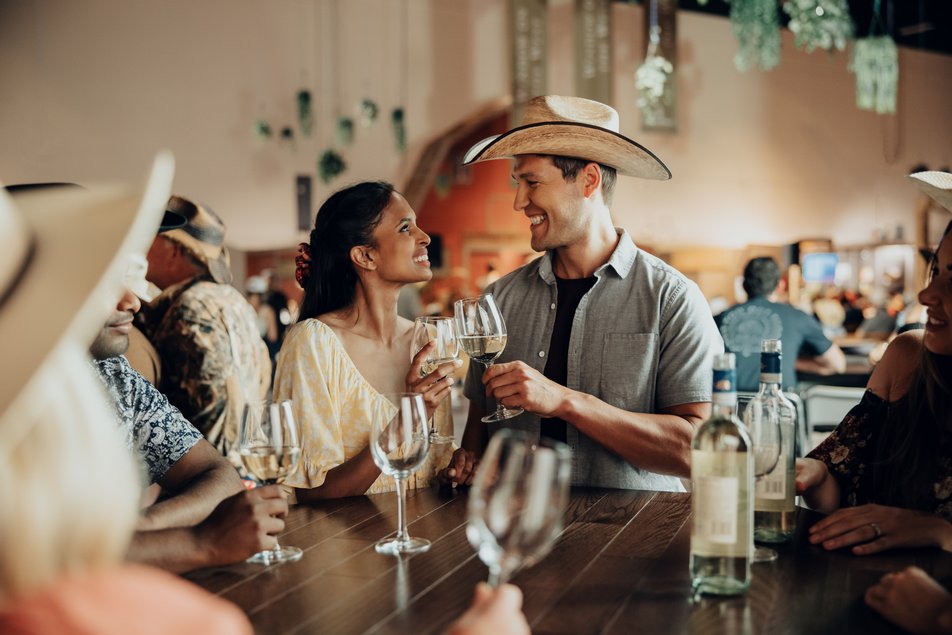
(305, 115)
(652, 79)
(344, 131)
(442, 184)
(875, 62)
(262, 129)
(757, 28)
(330, 165)
(819, 24)
(399, 129)
(287, 136)
(368, 112)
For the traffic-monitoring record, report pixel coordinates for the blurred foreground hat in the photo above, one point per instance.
(938, 185)
(203, 236)
(62, 257)
(571, 127)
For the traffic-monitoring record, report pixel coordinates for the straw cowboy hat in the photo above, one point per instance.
(938, 185)
(203, 236)
(572, 127)
(62, 257)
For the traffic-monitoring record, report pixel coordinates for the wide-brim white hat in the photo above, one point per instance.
(572, 127)
(938, 185)
(62, 258)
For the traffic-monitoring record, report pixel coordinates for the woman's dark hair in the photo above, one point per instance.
(347, 219)
(907, 452)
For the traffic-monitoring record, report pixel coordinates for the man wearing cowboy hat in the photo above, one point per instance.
(204, 330)
(609, 348)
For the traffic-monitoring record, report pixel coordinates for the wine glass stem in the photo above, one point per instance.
(401, 510)
(500, 409)
(276, 549)
(498, 575)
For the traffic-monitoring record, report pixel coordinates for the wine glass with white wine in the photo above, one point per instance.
(442, 332)
(270, 446)
(482, 334)
(517, 501)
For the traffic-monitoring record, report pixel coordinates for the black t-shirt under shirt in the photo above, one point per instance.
(556, 365)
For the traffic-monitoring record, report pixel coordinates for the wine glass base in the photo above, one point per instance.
(393, 547)
(502, 415)
(763, 554)
(276, 556)
(439, 439)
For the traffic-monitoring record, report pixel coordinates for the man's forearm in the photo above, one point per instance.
(659, 443)
(177, 550)
(196, 502)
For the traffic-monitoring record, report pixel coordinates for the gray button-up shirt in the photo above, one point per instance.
(643, 339)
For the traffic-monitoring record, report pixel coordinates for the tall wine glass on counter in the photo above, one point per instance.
(399, 443)
(270, 446)
(482, 334)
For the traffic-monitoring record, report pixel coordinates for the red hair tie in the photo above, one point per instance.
(302, 262)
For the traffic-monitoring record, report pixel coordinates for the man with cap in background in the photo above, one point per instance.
(203, 329)
(609, 349)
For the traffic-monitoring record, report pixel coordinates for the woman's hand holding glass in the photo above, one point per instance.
(434, 360)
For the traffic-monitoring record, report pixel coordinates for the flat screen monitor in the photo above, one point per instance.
(819, 268)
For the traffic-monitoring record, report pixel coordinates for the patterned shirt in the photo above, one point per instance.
(213, 358)
(152, 426)
(642, 340)
(849, 454)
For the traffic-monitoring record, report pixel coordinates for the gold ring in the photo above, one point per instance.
(876, 530)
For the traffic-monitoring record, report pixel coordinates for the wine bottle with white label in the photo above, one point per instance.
(722, 497)
(775, 511)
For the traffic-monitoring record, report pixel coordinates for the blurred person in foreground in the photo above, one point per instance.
(912, 600)
(70, 495)
(205, 331)
(885, 474)
(746, 325)
(609, 349)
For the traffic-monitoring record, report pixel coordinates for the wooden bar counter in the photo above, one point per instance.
(620, 566)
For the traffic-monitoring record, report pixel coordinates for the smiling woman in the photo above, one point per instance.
(350, 347)
(886, 471)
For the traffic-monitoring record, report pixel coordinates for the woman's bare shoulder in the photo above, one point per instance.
(893, 374)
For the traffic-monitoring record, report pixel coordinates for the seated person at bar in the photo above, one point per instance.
(609, 348)
(70, 493)
(885, 474)
(746, 325)
(349, 346)
(208, 518)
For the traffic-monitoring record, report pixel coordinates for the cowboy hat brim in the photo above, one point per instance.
(584, 141)
(73, 278)
(937, 185)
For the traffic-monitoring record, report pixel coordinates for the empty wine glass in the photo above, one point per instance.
(517, 501)
(399, 443)
(442, 331)
(482, 334)
(270, 446)
(766, 440)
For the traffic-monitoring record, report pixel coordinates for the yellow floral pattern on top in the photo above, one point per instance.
(335, 405)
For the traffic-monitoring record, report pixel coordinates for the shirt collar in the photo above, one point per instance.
(621, 260)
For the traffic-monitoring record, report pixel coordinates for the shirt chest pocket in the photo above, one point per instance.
(629, 369)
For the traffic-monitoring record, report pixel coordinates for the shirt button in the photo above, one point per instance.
(552, 306)
(541, 353)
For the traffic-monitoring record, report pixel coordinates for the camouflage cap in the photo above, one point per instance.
(203, 236)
